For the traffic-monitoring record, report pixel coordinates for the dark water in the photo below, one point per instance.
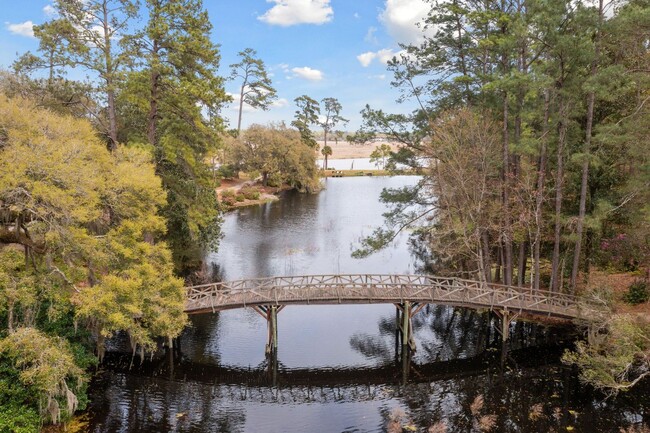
(337, 368)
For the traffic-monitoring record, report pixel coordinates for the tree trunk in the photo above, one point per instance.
(152, 117)
(109, 78)
(497, 270)
(505, 179)
(539, 195)
(559, 181)
(241, 107)
(586, 149)
(101, 346)
(325, 161)
(487, 262)
(521, 269)
(112, 118)
(154, 87)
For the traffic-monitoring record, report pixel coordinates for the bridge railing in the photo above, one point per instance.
(373, 288)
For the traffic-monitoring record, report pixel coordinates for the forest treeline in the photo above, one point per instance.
(532, 129)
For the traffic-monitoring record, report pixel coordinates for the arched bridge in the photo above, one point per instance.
(408, 292)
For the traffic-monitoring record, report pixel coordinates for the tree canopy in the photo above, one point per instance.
(79, 240)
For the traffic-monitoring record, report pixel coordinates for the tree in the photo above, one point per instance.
(586, 150)
(56, 39)
(616, 359)
(326, 151)
(360, 137)
(47, 367)
(278, 154)
(332, 113)
(80, 244)
(256, 89)
(175, 97)
(85, 34)
(461, 177)
(306, 116)
(380, 155)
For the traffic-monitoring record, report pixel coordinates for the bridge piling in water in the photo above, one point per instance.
(404, 323)
(270, 313)
(503, 325)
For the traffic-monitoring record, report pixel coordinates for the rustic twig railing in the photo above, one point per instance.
(372, 289)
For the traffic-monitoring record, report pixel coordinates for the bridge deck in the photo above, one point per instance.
(371, 289)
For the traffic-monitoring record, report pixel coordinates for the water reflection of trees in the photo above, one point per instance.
(518, 395)
(444, 333)
(538, 399)
(132, 403)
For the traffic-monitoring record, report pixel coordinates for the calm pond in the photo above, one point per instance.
(337, 369)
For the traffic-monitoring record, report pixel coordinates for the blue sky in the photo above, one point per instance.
(322, 48)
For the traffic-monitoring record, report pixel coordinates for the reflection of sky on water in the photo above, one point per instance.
(307, 234)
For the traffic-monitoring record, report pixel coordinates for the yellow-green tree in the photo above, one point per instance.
(88, 224)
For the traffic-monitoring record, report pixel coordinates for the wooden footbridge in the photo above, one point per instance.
(409, 293)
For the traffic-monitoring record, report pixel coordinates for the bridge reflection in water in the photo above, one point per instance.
(272, 382)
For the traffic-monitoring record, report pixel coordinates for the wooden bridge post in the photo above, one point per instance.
(272, 321)
(273, 367)
(503, 327)
(270, 313)
(405, 323)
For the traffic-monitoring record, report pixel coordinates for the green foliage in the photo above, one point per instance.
(47, 368)
(332, 116)
(226, 171)
(256, 89)
(171, 101)
(380, 155)
(250, 193)
(18, 405)
(361, 137)
(305, 117)
(617, 357)
(18, 419)
(78, 242)
(279, 154)
(637, 293)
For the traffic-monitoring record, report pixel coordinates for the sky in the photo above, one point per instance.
(321, 48)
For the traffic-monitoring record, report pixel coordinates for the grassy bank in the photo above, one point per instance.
(353, 173)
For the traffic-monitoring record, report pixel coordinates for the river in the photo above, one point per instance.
(337, 368)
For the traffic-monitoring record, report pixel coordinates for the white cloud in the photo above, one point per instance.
(400, 17)
(290, 12)
(307, 73)
(280, 102)
(49, 11)
(22, 29)
(386, 54)
(370, 36)
(366, 58)
(382, 56)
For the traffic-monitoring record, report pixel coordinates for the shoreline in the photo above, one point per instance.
(232, 192)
